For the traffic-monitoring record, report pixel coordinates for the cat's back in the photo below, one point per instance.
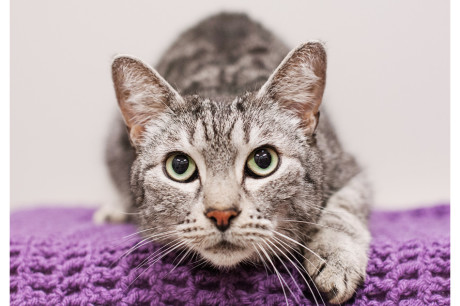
(227, 53)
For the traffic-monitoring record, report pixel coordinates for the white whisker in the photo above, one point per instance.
(262, 259)
(158, 258)
(145, 241)
(188, 251)
(325, 262)
(138, 232)
(200, 262)
(326, 210)
(161, 249)
(289, 272)
(306, 282)
(312, 223)
(300, 244)
(277, 274)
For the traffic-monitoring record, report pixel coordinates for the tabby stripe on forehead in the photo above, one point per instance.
(214, 126)
(240, 106)
(230, 130)
(246, 131)
(191, 133)
(205, 130)
(196, 113)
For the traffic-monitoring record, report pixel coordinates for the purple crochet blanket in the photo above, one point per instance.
(59, 257)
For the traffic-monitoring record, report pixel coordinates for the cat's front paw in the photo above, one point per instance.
(337, 266)
(108, 214)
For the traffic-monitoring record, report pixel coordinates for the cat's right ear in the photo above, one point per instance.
(141, 92)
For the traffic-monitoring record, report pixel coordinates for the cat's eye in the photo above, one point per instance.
(181, 167)
(262, 162)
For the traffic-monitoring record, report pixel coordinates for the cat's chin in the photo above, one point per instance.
(226, 255)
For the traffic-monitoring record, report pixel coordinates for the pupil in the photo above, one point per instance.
(262, 158)
(180, 164)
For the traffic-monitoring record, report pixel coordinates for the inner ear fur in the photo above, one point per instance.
(141, 92)
(298, 83)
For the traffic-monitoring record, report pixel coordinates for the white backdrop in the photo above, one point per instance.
(387, 88)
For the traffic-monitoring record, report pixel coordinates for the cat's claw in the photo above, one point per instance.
(107, 214)
(337, 268)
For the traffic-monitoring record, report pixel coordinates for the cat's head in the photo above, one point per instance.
(227, 177)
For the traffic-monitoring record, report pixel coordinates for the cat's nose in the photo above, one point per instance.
(222, 218)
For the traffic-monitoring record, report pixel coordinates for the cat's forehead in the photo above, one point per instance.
(218, 115)
(218, 128)
(224, 106)
(234, 120)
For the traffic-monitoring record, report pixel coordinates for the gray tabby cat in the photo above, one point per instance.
(232, 160)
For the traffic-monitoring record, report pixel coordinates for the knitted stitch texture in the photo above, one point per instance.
(59, 257)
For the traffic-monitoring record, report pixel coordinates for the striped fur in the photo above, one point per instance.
(225, 101)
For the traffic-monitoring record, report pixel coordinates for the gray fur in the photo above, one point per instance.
(217, 67)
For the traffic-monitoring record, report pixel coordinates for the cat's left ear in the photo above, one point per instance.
(298, 83)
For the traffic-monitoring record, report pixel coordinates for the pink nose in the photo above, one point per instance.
(222, 217)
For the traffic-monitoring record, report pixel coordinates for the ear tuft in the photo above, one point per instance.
(141, 92)
(298, 83)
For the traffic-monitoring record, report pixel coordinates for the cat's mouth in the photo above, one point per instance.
(225, 246)
(226, 254)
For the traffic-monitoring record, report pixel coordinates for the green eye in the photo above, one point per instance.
(262, 162)
(180, 167)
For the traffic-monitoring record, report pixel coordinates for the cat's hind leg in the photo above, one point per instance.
(119, 157)
(114, 211)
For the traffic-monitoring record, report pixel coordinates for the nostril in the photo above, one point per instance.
(221, 218)
(213, 219)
